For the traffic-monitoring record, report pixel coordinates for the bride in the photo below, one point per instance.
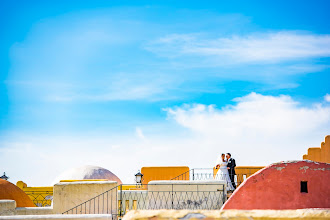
(223, 173)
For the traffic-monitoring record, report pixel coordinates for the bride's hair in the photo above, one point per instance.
(223, 155)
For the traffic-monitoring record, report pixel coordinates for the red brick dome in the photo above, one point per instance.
(10, 191)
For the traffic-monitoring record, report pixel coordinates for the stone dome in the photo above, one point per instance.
(12, 192)
(87, 172)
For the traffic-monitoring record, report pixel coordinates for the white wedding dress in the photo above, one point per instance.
(223, 174)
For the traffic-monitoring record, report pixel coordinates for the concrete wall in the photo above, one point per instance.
(278, 186)
(70, 194)
(307, 214)
(34, 211)
(8, 207)
(58, 217)
(184, 194)
(319, 154)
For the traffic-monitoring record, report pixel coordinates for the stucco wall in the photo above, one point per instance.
(8, 207)
(70, 194)
(278, 186)
(34, 211)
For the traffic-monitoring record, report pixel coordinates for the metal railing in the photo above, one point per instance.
(117, 201)
(201, 174)
(212, 174)
(41, 198)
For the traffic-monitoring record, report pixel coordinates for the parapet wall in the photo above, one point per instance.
(319, 154)
(8, 208)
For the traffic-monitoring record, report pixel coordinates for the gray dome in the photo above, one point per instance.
(87, 172)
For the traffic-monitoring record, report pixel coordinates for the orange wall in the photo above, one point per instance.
(164, 173)
(319, 154)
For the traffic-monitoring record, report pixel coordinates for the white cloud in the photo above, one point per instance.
(268, 116)
(327, 97)
(270, 47)
(256, 129)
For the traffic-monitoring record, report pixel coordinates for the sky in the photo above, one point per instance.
(127, 84)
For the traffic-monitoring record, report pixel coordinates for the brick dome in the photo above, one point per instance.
(10, 191)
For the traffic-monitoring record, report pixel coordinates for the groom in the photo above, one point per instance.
(231, 169)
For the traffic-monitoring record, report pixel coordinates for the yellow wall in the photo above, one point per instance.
(164, 173)
(319, 154)
(131, 187)
(37, 194)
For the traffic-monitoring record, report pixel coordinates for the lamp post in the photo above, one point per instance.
(4, 177)
(139, 178)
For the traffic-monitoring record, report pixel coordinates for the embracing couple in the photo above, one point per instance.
(226, 170)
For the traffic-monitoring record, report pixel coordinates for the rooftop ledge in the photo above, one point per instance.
(85, 182)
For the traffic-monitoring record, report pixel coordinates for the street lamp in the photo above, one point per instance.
(4, 177)
(139, 178)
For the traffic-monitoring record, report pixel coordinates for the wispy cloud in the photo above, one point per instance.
(139, 133)
(101, 57)
(254, 48)
(327, 97)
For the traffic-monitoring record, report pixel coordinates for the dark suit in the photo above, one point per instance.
(232, 164)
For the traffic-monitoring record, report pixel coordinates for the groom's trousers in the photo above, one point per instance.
(232, 178)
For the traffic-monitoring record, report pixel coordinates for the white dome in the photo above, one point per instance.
(87, 172)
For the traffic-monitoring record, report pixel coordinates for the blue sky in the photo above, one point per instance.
(102, 82)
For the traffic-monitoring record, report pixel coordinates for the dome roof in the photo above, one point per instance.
(87, 172)
(10, 191)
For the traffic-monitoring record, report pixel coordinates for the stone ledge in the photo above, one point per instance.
(58, 217)
(310, 214)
